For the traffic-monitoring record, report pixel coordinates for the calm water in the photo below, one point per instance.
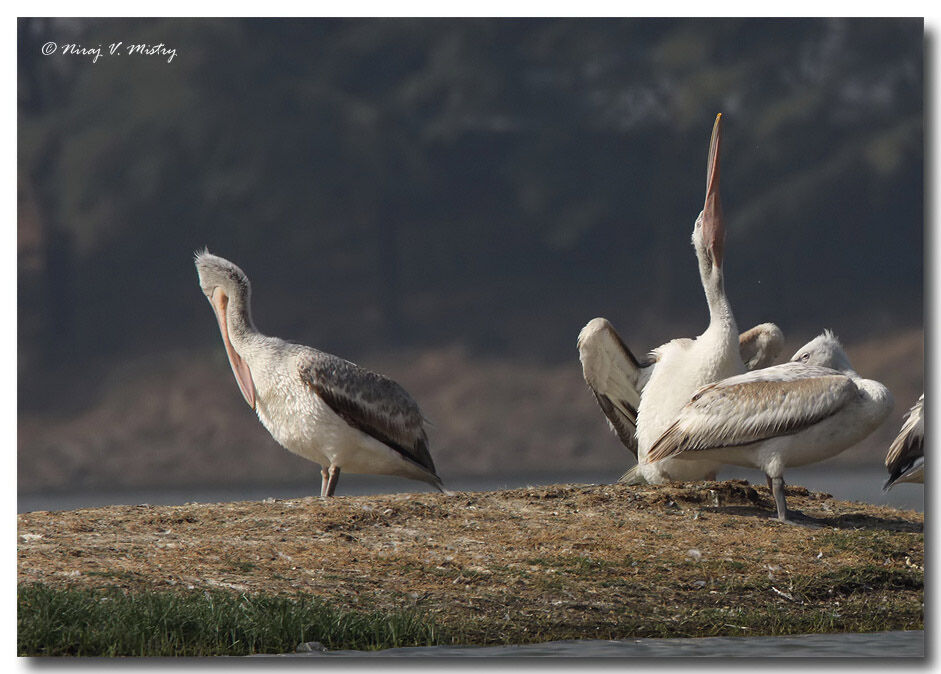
(849, 483)
(868, 645)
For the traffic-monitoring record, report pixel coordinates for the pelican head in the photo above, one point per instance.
(229, 292)
(709, 231)
(217, 273)
(824, 350)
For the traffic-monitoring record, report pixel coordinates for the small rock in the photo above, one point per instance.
(694, 554)
(310, 647)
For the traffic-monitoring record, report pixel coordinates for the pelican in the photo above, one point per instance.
(802, 411)
(906, 458)
(617, 378)
(316, 405)
(642, 399)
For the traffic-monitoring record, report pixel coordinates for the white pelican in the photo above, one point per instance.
(906, 458)
(617, 378)
(786, 415)
(316, 405)
(679, 367)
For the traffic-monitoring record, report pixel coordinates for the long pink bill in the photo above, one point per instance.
(239, 367)
(712, 221)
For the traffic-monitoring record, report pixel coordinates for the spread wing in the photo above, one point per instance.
(761, 345)
(615, 377)
(374, 404)
(758, 405)
(908, 447)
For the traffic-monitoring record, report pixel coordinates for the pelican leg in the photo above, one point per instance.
(323, 482)
(777, 488)
(333, 475)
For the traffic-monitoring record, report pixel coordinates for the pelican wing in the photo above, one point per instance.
(758, 405)
(614, 376)
(760, 345)
(374, 404)
(617, 378)
(908, 447)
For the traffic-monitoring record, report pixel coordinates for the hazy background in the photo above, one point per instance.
(447, 202)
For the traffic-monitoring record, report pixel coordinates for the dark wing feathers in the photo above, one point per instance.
(622, 418)
(367, 401)
(908, 446)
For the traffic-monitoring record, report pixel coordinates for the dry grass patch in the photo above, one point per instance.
(561, 561)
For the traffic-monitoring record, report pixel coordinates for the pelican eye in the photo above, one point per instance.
(805, 357)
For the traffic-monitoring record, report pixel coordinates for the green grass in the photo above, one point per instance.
(109, 623)
(875, 543)
(860, 598)
(858, 579)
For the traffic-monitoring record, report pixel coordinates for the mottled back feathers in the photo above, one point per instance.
(374, 404)
(755, 406)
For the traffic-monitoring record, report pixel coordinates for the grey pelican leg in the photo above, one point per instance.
(333, 474)
(777, 488)
(323, 482)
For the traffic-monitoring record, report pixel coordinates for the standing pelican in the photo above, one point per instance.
(642, 399)
(906, 458)
(617, 378)
(803, 411)
(316, 405)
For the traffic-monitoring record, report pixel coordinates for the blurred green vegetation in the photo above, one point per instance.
(109, 622)
(492, 182)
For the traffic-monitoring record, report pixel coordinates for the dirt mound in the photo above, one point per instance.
(559, 561)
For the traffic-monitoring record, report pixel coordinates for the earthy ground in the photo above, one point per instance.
(528, 564)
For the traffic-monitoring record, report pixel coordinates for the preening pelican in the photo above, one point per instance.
(617, 378)
(806, 410)
(314, 404)
(647, 396)
(906, 458)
